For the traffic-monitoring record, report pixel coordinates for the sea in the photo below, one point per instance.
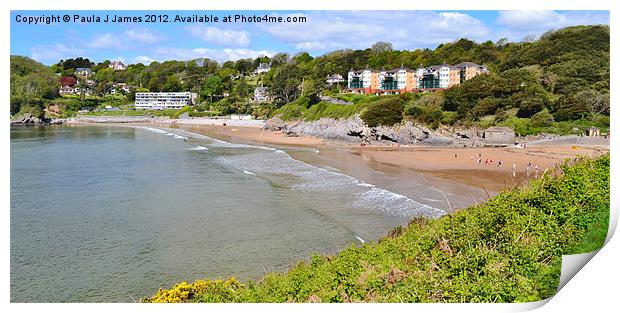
(113, 213)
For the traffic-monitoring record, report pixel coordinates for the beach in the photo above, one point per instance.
(489, 168)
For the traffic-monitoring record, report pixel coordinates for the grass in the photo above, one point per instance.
(301, 110)
(508, 249)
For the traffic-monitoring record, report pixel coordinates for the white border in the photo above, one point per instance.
(594, 287)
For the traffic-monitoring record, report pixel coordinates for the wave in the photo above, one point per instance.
(359, 239)
(161, 131)
(275, 164)
(198, 148)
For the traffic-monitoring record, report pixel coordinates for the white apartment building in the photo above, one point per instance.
(164, 100)
(444, 76)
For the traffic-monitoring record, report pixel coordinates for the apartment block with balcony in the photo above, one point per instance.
(396, 81)
(469, 70)
(363, 82)
(402, 80)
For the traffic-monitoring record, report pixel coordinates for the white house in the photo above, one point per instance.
(334, 79)
(262, 68)
(83, 71)
(164, 100)
(117, 66)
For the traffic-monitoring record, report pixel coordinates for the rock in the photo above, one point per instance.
(334, 100)
(275, 123)
(354, 130)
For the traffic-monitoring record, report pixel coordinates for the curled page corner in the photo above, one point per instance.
(573, 263)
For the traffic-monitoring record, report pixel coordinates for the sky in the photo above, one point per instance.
(323, 31)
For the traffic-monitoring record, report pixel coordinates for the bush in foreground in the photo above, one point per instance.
(508, 249)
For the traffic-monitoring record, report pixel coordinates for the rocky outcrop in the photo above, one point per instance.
(354, 130)
(29, 119)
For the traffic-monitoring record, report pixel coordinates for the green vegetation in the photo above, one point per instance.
(508, 249)
(387, 112)
(32, 84)
(553, 84)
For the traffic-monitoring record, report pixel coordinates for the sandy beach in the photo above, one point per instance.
(487, 168)
(491, 169)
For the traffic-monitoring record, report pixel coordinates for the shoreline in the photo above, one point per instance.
(438, 162)
(435, 161)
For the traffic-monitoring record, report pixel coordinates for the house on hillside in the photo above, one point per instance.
(117, 66)
(262, 68)
(83, 71)
(499, 136)
(334, 79)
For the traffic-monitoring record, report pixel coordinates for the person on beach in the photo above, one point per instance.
(536, 171)
(499, 163)
(514, 169)
(455, 156)
(479, 161)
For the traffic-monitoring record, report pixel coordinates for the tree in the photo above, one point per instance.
(380, 47)
(284, 84)
(213, 86)
(30, 83)
(68, 81)
(597, 103)
(173, 84)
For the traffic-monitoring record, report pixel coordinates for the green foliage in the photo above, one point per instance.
(542, 119)
(385, 112)
(565, 72)
(213, 86)
(31, 84)
(508, 249)
(427, 109)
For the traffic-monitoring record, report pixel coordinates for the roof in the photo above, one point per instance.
(468, 64)
(499, 129)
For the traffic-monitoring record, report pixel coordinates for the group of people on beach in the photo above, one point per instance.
(490, 162)
(487, 161)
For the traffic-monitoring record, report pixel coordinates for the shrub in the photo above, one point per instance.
(542, 119)
(385, 112)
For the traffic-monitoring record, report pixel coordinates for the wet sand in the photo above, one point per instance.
(441, 163)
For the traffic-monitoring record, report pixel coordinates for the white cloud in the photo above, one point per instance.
(143, 35)
(118, 59)
(529, 19)
(214, 35)
(358, 30)
(54, 53)
(129, 39)
(518, 24)
(107, 41)
(146, 60)
(220, 55)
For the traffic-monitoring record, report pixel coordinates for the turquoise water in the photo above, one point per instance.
(110, 214)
